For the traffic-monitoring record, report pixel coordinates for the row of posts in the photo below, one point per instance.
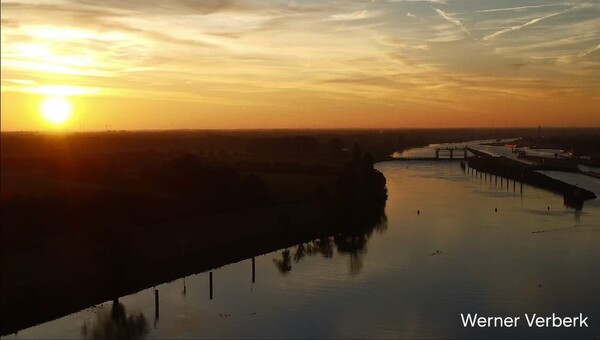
(483, 174)
(210, 289)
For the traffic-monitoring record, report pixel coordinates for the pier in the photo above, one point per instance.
(516, 171)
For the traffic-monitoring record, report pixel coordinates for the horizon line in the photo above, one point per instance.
(56, 131)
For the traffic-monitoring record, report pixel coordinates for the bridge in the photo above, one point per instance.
(451, 150)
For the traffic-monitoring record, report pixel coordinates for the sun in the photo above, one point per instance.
(56, 110)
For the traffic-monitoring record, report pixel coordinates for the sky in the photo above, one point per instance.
(226, 64)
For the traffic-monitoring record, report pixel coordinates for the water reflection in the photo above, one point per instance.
(351, 242)
(284, 265)
(116, 324)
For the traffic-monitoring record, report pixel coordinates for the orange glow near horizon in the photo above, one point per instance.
(268, 64)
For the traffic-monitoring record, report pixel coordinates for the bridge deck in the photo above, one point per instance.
(424, 159)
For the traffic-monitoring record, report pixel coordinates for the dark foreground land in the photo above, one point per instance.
(89, 217)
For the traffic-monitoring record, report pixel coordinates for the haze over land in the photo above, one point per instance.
(308, 64)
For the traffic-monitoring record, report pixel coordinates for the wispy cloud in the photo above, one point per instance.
(589, 50)
(518, 27)
(358, 15)
(453, 20)
(516, 9)
(430, 1)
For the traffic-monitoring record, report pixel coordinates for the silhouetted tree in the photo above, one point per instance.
(357, 154)
(367, 162)
(335, 146)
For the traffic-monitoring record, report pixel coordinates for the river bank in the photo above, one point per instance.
(95, 265)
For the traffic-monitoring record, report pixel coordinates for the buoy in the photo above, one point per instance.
(496, 209)
(548, 208)
(418, 212)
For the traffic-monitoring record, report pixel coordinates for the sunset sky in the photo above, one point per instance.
(147, 64)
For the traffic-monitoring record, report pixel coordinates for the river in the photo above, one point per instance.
(452, 244)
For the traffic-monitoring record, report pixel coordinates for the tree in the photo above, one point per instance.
(357, 154)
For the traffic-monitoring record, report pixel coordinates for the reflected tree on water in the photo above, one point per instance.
(323, 246)
(352, 243)
(116, 324)
(284, 265)
(355, 247)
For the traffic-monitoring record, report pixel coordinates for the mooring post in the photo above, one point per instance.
(496, 180)
(502, 181)
(253, 270)
(514, 185)
(210, 285)
(521, 184)
(156, 307)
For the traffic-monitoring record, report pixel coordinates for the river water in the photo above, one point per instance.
(474, 247)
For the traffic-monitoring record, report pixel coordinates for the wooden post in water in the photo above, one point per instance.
(514, 185)
(253, 270)
(210, 285)
(496, 180)
(156, 307)
(521, 184)
(501, 181)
